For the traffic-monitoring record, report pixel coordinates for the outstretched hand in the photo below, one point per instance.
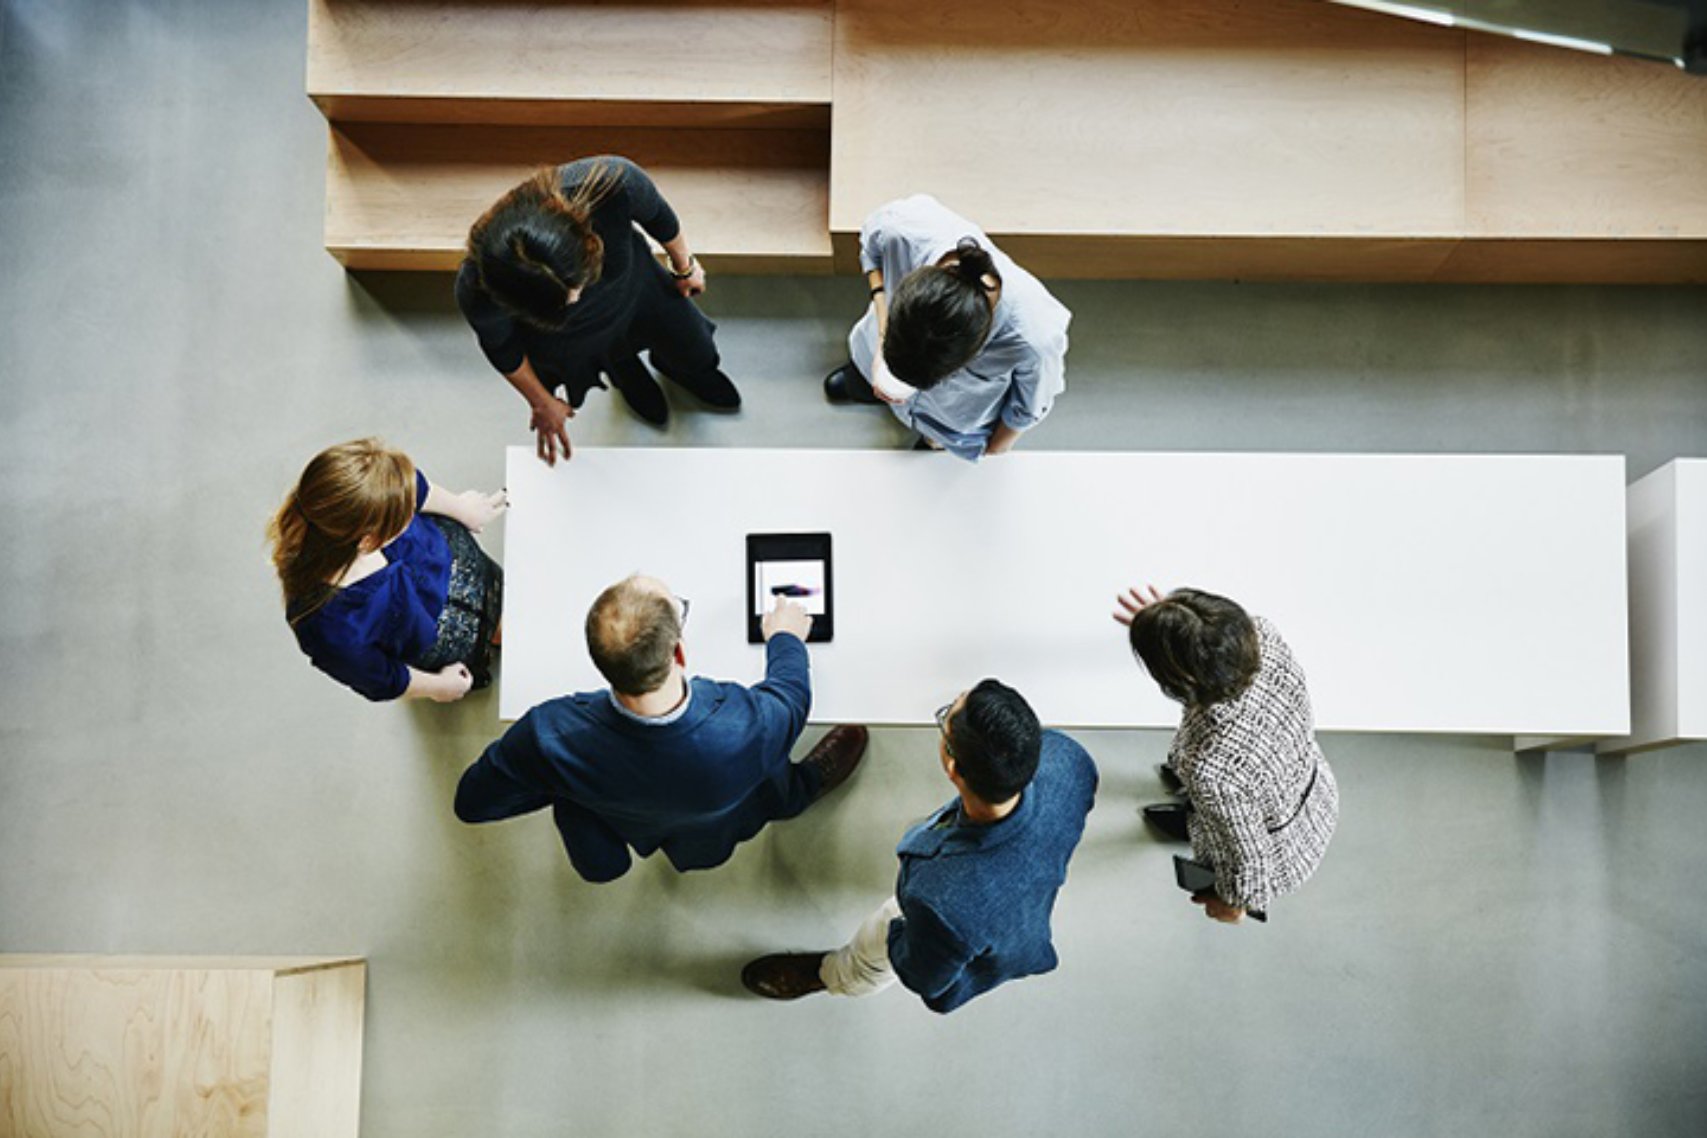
(1133, 601)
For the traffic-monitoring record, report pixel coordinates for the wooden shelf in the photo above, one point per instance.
(1562, 144)
(1150, 118)
(402, 196)
(736, 63)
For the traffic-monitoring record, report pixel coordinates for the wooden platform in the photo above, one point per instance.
(156, 1047)
(402, 195)
(571, 62)
(1291, 140)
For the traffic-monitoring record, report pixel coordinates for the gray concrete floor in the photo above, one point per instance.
(1494, 946)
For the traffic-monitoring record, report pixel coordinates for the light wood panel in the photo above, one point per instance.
(104, 1047)
(1150, 118)
(1563, 144)
(570, 61)
(1575, 260)
(403, 196)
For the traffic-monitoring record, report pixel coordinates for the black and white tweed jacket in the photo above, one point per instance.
(1248, 764)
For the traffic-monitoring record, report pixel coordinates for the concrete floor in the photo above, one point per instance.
(1494, 945)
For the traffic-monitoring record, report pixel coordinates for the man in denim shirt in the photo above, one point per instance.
(978, 879)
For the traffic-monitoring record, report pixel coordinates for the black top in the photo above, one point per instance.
(604, 307)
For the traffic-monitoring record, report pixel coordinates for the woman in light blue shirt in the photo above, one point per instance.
(966, 348)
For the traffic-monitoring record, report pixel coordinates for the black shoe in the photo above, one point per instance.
(836, 756)
(1170, 780)
(639, 390)
(784, 975)
(713, 388)
(1168, 820)
(847, 385)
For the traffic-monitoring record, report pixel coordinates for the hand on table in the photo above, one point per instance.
(550, 423)
(1133, 602)
(475, 510)
(787, 616)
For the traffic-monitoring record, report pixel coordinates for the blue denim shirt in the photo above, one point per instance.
(976, 899)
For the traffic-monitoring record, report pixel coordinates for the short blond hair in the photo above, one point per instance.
(632, 632)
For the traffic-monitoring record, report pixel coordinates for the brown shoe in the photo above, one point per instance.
(836, 756)
(784, 975)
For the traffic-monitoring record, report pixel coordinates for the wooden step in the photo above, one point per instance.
(402, 196)
(572, 62)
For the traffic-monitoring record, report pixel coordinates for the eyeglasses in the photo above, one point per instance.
(942, 714)
(686, 605)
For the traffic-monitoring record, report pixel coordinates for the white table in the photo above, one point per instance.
(1668, 608)
(1478, 594)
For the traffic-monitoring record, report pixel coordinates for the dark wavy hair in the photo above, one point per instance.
(1200, 648)
(536, 243)
(995, 741)
(940, 317)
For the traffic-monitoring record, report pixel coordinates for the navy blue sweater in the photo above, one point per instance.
(695, 786)
(975, 899)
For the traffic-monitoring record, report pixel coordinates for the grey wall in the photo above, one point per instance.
(1493, 946)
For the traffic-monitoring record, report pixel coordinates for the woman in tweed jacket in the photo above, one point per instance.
(1263, 801)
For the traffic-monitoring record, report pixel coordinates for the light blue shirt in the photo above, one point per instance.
(1021, 368)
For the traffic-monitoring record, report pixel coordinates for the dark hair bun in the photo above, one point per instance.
(973, 262)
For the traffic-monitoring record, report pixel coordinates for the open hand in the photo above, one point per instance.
(550, 424)
(1133, 602)
(476, 510)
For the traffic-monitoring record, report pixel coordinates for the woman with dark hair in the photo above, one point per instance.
(561, 287)
(1261, 802)
(387, 591)
(967, 348)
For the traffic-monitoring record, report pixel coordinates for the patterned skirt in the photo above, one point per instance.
(473, 607)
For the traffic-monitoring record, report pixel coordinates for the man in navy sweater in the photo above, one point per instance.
(978, 879)
(659, 761)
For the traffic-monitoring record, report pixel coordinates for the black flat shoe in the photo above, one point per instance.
(713, 388)
(639, 390)
(1168, 820)
(847, 385)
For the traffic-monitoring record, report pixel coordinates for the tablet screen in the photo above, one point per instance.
(801, 581)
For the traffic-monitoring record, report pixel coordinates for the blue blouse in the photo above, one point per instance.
(365, 636)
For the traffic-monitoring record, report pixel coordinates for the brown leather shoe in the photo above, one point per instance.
(784, 975)
(836, 756)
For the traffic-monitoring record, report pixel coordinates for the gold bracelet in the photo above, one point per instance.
(693, 263)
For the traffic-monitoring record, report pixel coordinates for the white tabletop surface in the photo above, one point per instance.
(1477, 594)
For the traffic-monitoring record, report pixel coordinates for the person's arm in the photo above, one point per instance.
(879, 303)
(447, 685)
(493, 787)
(595, 850)
(648, 209)
(472, 508)
(1234, 827)
(928, 956)
(786, 691)
(1031, 393)
(548, 415)
(501, 340)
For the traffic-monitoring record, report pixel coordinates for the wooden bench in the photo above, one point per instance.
(1290, 140)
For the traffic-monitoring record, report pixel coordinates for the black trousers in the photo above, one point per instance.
(661, 322)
